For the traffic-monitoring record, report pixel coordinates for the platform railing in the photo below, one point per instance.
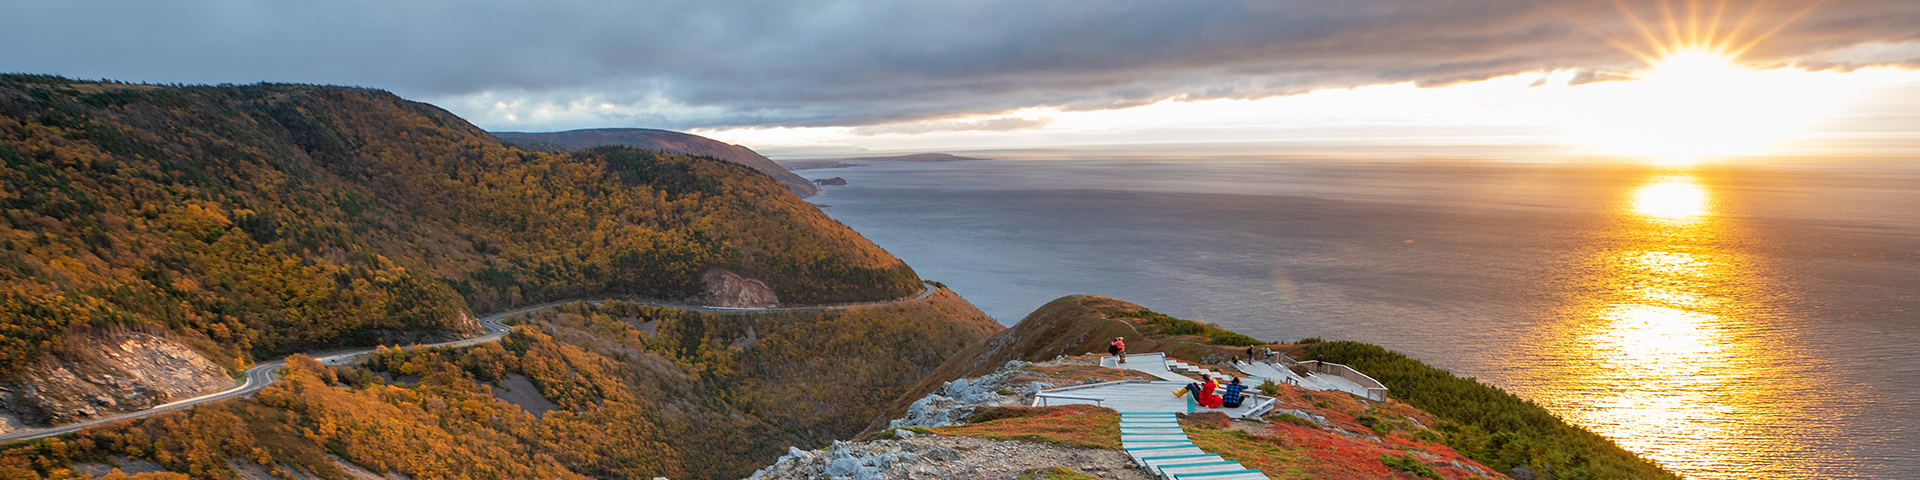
(1376, 391)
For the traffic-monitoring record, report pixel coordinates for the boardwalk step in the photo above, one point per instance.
(1199, 470)
(1252, 475)
(1189, 444)
(1178, 459)
(1215, 475)
(1158, 444)
(1189, 463)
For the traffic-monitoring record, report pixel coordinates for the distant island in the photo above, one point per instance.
(850, 162)
(918, 157)
(818, 164)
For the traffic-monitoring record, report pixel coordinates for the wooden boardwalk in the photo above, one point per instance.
(1146, 396)
(1149, 430)
(1279, 374)
(1155, 441)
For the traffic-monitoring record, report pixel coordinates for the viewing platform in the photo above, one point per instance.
(1150, 430)
(1147, 396)
(1316, 381)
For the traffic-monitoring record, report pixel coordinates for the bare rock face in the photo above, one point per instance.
(112, 373)
(727, 289)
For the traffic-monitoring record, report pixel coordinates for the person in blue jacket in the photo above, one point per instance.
(1235, 393)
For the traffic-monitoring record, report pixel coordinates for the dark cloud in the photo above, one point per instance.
(684, 64)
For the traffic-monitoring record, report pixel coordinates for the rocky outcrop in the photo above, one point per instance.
(913, 453)
(957, 399)
(835, 181)
(109, 373)
(945, 457)
(727, 289)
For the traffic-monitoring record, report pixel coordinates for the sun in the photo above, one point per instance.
(1694, 100)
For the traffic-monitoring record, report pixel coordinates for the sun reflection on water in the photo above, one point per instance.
(1671, 199)
(1660, 355)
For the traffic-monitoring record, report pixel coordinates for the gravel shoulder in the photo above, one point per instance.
(940, 457)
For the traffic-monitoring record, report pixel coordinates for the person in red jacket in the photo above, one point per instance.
(1207, 396)
(1118, 348)
(1203, 393)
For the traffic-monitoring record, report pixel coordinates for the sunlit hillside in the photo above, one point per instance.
(251, 221)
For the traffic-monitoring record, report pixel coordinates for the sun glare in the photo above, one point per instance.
(1695, 100)
(1697, 104)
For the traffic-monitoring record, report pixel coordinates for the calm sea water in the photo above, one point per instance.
(1728, 322)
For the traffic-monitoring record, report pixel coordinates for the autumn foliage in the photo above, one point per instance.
(638, 392)
(252, 221)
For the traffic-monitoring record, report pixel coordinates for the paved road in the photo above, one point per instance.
(266, 373)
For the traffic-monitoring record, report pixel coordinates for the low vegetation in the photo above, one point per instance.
(1078, 425)
(1176, 327)
(1491, 426)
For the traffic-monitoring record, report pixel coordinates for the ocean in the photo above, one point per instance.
(1727, 321)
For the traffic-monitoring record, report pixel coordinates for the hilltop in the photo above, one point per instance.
(203, 228)
(1316, 435)
(660, 140)
(1429, 409)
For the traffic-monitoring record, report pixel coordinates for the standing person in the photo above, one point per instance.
(1118, 348)
(1249, 354)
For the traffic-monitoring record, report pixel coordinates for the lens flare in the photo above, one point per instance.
(1284, 286)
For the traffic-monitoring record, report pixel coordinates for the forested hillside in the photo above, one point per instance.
(257, 220)
(660, 140)
(636, 392)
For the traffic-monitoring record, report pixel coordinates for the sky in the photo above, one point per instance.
(839, 75)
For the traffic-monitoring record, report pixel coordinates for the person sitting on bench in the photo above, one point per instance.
(1234, 394)
(1203, 393)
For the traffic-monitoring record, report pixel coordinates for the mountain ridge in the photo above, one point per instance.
(252, 221)
(661, 140)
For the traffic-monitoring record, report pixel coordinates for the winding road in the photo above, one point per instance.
(265, 373)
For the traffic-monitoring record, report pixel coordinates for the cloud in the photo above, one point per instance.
(804, 63)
